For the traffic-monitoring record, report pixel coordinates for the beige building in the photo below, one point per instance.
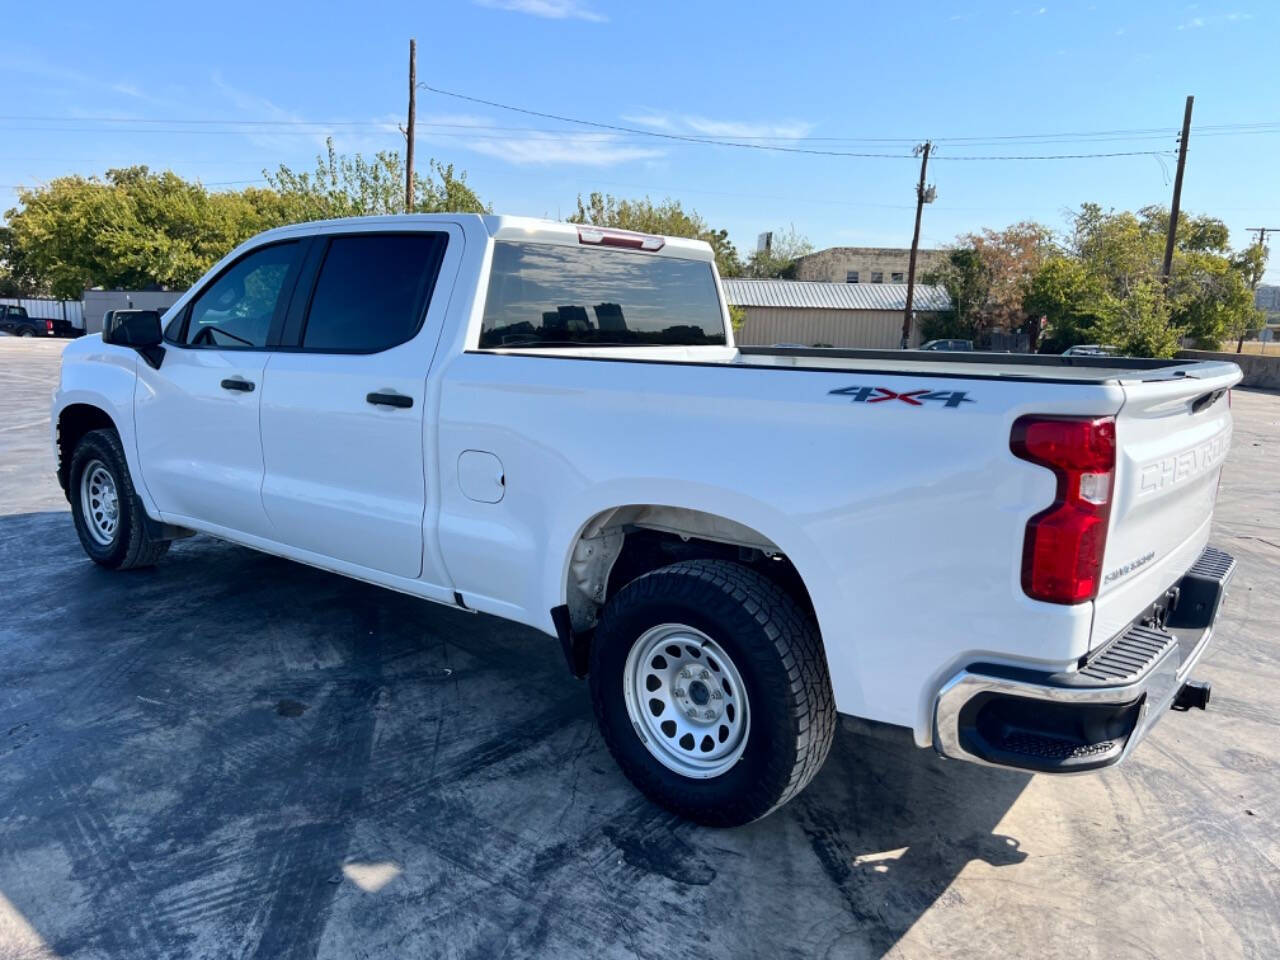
(813, 314)
(865, 264)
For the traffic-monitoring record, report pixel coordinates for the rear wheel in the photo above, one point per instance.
(711, 689)
(108, 515)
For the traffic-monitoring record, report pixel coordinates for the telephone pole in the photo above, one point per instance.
(1261, 235)
(1177, 191)
(923, 195)
(408, 133)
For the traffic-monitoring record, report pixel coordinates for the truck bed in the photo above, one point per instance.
(979, 365)
(975, 365)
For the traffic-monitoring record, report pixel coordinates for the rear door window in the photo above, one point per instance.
(372, 291)
(544, 295)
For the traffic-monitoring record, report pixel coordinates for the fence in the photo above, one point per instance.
(45, 309)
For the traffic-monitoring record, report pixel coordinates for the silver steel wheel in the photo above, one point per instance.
(686, 701)
(100, 502)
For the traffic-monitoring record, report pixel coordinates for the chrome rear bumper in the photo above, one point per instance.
(1095, 716)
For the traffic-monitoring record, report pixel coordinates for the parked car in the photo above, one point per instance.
(947, 345)
(1090, 350)
(550, 423)
(15, 320)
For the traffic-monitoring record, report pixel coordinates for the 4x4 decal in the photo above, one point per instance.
(915, 398)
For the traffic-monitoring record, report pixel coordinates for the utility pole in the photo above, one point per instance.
(1261, 235)
(923, 195)
(413, 105)
(1177, 191)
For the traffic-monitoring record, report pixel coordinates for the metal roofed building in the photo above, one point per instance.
(812, 313)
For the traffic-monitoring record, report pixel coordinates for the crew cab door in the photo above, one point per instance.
(343, 407)
(197, 415)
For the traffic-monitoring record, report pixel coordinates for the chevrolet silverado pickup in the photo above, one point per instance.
(550, 423)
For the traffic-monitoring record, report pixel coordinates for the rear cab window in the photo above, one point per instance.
(549, 295)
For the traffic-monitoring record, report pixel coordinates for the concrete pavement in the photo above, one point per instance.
(234, 755)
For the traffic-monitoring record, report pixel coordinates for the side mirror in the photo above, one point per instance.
(140, 330)
(134, 329)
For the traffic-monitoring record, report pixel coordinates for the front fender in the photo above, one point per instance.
(104, 376)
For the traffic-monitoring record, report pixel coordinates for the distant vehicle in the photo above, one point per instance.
(17, 321)
(947, 345)
(1090, 350)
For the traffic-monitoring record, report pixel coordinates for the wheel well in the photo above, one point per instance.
(74, 422)
(621, 545)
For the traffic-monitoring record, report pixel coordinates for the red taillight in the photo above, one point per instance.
(48, 325)
(620, 238)
(1062, 552)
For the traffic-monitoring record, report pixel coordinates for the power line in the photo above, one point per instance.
(726, 142)
(311, 127)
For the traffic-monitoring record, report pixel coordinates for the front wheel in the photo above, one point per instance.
(710, 686)
(108, 516)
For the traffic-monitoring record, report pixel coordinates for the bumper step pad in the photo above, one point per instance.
(1128, 656)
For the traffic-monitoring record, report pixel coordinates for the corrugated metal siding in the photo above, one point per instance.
(45, 309)
(833, 296)
(870, 329)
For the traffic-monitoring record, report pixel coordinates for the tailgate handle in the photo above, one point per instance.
(1208, 400)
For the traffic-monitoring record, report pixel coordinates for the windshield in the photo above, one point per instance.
(543, 295)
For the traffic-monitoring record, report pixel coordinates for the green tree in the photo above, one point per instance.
(1107, 286)
(667, 217)
(137, 228)
(987, 275)
(780, 259)
(353, 186)
(1069, 298)
(968, 280)
(1251, 264)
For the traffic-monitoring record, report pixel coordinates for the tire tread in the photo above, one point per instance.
(723, 587)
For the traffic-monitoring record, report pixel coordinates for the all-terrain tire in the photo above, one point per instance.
(774, 645)
(130, 546)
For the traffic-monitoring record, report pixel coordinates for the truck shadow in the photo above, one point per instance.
(221, 752)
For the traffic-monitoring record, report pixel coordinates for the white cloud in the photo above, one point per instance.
(370, 139)
(576, 149)
(786, 130)
(548, 9)
(724, 129)
(1197, 23)
(655, 120)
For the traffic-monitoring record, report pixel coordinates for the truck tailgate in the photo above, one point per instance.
(1172, 436)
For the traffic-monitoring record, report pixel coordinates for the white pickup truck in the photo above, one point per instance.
(550, 423)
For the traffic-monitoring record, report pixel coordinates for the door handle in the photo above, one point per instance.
(238, 383)
(390, 400)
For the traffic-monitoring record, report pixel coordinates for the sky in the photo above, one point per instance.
(221, 92)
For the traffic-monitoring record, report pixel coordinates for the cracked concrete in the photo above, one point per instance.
(233, 755)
